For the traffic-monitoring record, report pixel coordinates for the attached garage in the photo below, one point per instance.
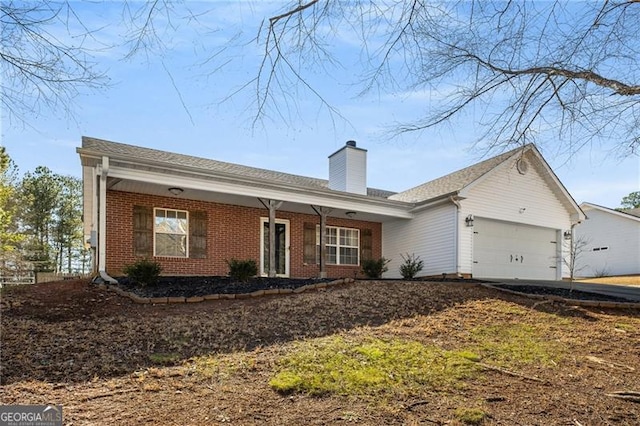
(514, 250)
(503, 218)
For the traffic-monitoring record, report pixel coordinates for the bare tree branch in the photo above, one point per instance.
(533, 68)
(39, 69)
(616, 86)
(273, 20)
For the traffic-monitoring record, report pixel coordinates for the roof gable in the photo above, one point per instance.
(456, 181)
(631, 214)
(459, 182)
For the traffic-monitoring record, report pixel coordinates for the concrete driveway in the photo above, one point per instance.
(628, 292)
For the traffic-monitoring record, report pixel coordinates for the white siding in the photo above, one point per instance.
(505, 194)
(338, 171)
(430, 235)
(620, 235)
(356, 171)
(348, 170)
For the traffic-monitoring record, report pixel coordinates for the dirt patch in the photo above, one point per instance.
(109, 360)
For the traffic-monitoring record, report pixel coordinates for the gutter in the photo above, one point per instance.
(437, 200)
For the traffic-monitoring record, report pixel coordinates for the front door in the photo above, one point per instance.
(282, 247)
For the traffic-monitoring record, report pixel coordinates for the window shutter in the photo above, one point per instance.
(366, 244)
(198, 235)
(309, 241)
(142, 231)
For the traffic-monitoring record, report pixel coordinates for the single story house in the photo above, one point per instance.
(608, 242)
(505, 217)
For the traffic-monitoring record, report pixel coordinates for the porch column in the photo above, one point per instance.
(273, 206)
(323, 212)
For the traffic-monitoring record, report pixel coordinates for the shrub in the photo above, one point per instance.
(242, 270)
(144, 272)
(411, 266)
(601, 272)
(373, 268)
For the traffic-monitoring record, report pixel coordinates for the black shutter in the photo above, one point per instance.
(309, 241)
(366, 244)
(142, 231)
(198, 235)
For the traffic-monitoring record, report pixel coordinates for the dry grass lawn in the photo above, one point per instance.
(623, 280)
(368, 353)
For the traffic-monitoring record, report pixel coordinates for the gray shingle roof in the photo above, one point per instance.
(453, 182)
(444, 185)
(163, 157)
(633, 212)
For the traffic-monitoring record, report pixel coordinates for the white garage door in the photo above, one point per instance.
(510, 250)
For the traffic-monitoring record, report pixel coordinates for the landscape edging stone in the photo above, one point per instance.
(585, 303)
(196, 299)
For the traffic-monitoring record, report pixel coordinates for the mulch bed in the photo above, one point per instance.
(191, 286)
(201, 286)
(563, 292)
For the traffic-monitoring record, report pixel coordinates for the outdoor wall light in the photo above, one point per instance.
(567, 235)
(350, 214)
(469, 220)
(176, 191)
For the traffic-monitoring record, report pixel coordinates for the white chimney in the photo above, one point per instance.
(348, 169)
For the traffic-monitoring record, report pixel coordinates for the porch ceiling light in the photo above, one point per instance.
(176, 191)
(350, 214)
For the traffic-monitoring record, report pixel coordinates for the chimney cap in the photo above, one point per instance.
(351, 143)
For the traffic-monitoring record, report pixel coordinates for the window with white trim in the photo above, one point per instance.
(343, 245)
(171, 233)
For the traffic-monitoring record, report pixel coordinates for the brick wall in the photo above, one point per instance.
(233, 232)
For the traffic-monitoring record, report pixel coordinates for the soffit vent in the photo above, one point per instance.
(522, 166)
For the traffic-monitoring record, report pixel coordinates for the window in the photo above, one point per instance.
(343, 245)
(171, 231)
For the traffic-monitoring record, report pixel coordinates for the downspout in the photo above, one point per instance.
(94, 221)
(102, 224)
(456, 233)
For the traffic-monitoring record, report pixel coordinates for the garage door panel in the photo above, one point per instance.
(508, 250)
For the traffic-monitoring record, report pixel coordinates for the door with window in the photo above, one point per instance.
(282, 247)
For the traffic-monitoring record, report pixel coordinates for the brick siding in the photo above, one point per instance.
(233, 232)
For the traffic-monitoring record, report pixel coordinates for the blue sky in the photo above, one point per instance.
(170, 100)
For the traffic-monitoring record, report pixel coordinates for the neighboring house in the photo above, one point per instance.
(505, 217)
(609, 241)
